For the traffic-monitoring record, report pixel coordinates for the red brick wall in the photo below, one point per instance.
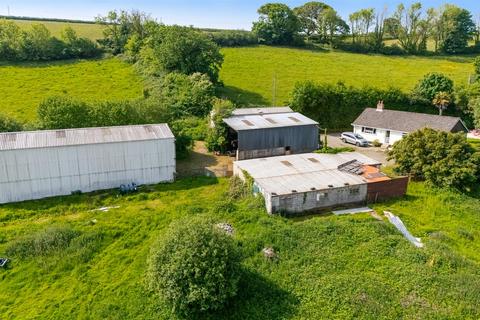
(383, 190)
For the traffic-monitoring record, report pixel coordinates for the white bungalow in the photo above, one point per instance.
(389, 126)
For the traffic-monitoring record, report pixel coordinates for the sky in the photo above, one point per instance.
(224, 14)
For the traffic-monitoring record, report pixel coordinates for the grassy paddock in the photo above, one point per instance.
(25, 85)
(249, 72)
(92, 263)
(87, 30)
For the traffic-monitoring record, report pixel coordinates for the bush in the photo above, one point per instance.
(217, 137)
(233, 38)
(42, 243)
(442, 159)
(9, 125)
(376, 143)
(195, 267)
(63, 113)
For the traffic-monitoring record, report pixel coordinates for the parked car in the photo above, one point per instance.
(354, 138)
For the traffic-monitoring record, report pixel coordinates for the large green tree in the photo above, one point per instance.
(431, 85)
(410, 27)
(442, 159)
(457, 28)
(308, 15)
(277, 24)
(331, 25)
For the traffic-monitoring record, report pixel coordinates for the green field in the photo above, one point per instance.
(25, 85)
(249, 73)
(329, 267)
(87, 30)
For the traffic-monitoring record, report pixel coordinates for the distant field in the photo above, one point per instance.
(248, 73)
(24, 86)
(91, 31)
(329, 267)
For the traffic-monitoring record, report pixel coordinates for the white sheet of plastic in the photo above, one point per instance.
(398, 223)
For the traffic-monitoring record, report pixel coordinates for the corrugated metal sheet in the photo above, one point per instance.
(298, 138)
(302, 172)
(83, 136)
(269, 110)
(274, 120)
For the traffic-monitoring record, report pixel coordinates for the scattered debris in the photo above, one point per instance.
(401, 227)
(104, 209)
(269, 253)
(228, 228)
(128, 188)
(352, 211)
(3, 262)
(376, 216)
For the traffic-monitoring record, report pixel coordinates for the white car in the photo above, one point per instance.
(354, 138)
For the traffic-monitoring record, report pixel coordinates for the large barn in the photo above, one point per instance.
(38, 164)
(267, 132)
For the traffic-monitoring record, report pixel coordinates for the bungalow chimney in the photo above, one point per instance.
(380, 106)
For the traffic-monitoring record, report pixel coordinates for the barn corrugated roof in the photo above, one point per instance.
(268, 110)
(82, 136)
(302, 172)
(404, 121)
(273, 120)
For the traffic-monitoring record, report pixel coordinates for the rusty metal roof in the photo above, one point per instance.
(82, 136)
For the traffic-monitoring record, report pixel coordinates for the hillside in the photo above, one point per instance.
(249, 73)
(88, 30)
(328, 267)
(30, 83)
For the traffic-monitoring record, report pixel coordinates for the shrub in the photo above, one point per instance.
(195, 267)
(62, 113)
(376, 143)
(42, 243)
(217, 137)
(233, 38)
(442, 159)
(9, 125)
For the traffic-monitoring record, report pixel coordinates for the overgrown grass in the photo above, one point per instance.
(329, 267)
(88, 30)
(249, 73)
(24, 85)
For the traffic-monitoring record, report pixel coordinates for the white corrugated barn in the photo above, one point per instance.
(39, 164)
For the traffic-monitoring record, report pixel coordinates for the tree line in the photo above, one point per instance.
(37, 44)
(449, 27)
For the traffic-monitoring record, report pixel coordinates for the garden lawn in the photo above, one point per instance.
(25, 85)
(329, 267)
(251, 74)
(87, 30)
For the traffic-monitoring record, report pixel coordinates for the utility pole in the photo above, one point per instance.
(274, 90)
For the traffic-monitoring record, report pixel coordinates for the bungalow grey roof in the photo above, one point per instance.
(268, 110)
(70, 137)
(272, 120)
(404, 121)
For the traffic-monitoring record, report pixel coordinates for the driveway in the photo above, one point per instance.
(375, 153)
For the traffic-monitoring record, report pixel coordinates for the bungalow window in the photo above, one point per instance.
(369, 130)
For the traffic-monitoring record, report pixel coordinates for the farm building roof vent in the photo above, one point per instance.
(313, 188)
(294, 191)
(346, 184)
(294, 119)
(313, 160)
(248, 123)
(271, 120)
(60, 134)
(287, 163)
(330, 185)
(148, 128)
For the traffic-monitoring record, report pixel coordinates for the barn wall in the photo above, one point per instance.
(299, 138)
(383, 190)
(37, 173)
(317, 200)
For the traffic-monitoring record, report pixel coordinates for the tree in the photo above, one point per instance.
(217, 137)
(458, 28)
(78, 47)
(277, 24)
(8, 124)
(331, 25)
(442, 159)
(11, 39)
(195, 267)
(38, 44)
(181, 49)
(360, 22)
(63, 113)
(183, 95)
(476, 65)
(432, 84)
(410, 28)
(308, 16)
(441, 100)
